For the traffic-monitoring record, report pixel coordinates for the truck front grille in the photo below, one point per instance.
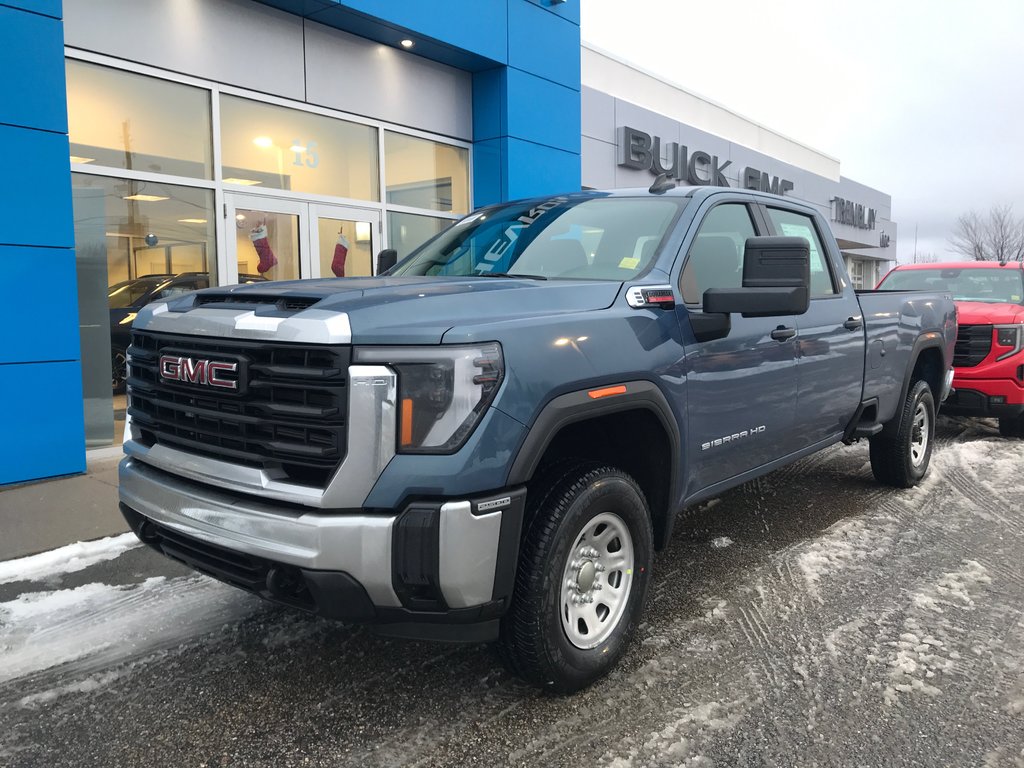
(973, 343)
(287, 416)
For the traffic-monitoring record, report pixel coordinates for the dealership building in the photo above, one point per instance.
(230, 140)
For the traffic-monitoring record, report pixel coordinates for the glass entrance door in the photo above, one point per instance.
(276, 239)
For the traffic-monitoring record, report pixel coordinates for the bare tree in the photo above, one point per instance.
(997, 237)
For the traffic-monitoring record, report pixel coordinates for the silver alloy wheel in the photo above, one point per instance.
(596, 581)
(919, 435)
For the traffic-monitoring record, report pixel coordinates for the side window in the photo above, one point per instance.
(790, 224)
(715, 259)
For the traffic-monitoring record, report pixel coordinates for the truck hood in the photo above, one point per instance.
(419, 310)
(987, 313)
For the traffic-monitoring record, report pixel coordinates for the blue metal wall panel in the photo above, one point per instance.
(50, 8)
(543, 44)
(489, 98)
(543, 112)
(43, 433)
(488, 172)
(533, 169)
(566, 10)
(31, 71)
(35, 198)
(51, 324)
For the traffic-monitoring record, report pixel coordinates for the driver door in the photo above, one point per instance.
(741, 389)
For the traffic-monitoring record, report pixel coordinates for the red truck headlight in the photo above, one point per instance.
(1011, 338)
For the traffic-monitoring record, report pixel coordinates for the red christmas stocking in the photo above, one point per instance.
(259, 241)
(340, 254)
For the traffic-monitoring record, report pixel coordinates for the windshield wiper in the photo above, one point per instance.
(508, 274)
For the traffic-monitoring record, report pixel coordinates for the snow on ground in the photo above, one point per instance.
(74, 557)
(95, 626)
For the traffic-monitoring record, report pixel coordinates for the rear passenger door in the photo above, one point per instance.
(741, 389)
(830, 344)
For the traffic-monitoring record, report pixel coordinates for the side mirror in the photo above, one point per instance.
(776, 280)
(386, 259)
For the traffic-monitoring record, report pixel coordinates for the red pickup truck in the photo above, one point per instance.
(988, 361)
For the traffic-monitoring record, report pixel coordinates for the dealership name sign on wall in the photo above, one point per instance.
(853, 214)
(645, 152)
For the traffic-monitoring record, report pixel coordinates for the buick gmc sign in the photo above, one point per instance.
(644, 152)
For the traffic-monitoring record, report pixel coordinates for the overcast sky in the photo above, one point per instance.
(922, 100)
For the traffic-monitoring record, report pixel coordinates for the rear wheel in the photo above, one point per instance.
(1012, 427)
(900, 454)
(582, 580)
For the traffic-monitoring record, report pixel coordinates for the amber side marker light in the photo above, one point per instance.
(406, 436)
(607, 391)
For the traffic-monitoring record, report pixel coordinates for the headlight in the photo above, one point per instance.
(1011, 336)
(442, 391)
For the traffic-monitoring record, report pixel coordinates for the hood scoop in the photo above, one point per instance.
(241, 300)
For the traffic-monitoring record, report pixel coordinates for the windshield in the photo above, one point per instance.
(998, 286)
(609, 238)
(128, 293)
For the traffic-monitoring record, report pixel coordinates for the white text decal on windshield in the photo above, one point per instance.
(511, 233)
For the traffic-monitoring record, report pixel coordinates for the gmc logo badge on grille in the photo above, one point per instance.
(192, 370)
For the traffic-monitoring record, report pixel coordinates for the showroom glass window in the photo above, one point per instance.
(408, 231)
(272, 147)
(126, 232)
(130, 121)
(426, 174)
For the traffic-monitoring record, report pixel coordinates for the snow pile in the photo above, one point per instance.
(73, 557)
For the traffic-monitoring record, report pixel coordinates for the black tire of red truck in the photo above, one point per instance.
(901, 453)
(581, 584)
(1012, 426)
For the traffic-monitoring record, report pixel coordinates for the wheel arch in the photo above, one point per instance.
(635, 430)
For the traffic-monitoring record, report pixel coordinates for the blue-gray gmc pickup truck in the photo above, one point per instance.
(489, 441)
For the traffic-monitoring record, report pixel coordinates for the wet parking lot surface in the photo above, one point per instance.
(808, 618)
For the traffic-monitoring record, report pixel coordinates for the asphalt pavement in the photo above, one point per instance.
(810, 618)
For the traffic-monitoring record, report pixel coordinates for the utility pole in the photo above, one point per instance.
(915, 243)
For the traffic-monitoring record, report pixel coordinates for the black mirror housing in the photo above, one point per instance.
(776, 280)
(386, 259)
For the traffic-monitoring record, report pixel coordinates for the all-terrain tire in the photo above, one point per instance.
(901, 452)
(570, 511)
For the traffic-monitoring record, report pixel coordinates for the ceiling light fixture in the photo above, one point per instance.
(407, 43)
(242, 182)
(146, 198)
(263, 141)
(191, 221)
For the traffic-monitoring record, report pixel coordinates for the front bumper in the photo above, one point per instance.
(438, 568)
(998, 398)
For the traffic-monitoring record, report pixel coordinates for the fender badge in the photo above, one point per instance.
(483, 506)
(647, 296)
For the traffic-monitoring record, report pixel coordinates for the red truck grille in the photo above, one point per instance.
(286, 414)
(973, 343)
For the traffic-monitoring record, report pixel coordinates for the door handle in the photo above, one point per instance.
(782, 333)
(853, 323)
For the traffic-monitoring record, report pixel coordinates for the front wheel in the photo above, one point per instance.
(900, 454)
(582, 579)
